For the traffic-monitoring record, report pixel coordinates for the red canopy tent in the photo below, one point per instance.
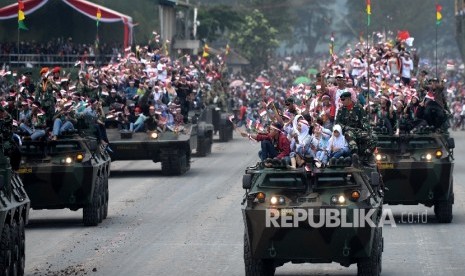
(85, 7)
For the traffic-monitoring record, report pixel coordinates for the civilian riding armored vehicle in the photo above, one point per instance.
(417, 168)
(71, 172)
(171, 147)
(14, 214)
(287, 217)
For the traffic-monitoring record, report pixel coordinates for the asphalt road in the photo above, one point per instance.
(192, 225)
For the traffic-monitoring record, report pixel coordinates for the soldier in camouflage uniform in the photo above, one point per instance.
(355, 125)
(45, 95)
(10, 147)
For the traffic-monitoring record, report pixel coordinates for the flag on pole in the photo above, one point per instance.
(438, 14)
(205, 53)
(21, 16)
(99, 16)
(368, 12)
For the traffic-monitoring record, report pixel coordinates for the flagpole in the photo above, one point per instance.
(19, 30)
(368, 55)
(436, 59)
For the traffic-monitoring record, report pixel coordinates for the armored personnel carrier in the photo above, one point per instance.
(71, 172)
(417, 168)
(171, 148)
(14, 214)
(286, 214)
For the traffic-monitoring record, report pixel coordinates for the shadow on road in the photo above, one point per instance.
(55, 223)
(148, 173)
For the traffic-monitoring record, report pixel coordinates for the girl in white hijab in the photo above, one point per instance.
(337, 145)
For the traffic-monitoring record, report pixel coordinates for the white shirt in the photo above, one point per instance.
(407, 67)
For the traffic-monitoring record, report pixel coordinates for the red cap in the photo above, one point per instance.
(56, 70)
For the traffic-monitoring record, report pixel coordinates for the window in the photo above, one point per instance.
(290, 181)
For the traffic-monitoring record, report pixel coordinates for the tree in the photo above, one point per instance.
(215, 21)
(313, 23)
(255, 39)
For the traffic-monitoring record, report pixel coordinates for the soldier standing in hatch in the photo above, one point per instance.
(354, 122)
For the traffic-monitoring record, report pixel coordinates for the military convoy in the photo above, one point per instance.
(417, 168)
(71, 172)
(285, 213)
(14, 215)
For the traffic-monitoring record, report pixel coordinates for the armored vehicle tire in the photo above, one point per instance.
(204, 146)
(256, 267)
(91, 214)
(372, 266)
(5, 250)
(106, 197)
(223, 133)
(22, 247)
(443, 209)
(175, 164)
(15, 250)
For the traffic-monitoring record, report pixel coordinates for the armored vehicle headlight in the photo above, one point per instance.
(260, 197)
(277, 200)
(68, 160)
(341, 199)
(79, 157)
(154, 135)
(429, 157)
(273, 200)
(355, 195)
(334, 199)
(438, 154)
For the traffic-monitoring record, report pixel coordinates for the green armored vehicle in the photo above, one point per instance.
(171, 148)
(417, 168)
(71, 172)
(287, 217)
(14, 214)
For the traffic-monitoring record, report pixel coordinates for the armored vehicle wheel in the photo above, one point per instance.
(15, 250)
(5, 250)
(223, 133)
(204, 146)
(106, 197)
(372, 266)
(175, 164)
(256, 267)
(22, 247)
(91, 213)
(230, 133)
(443, 209)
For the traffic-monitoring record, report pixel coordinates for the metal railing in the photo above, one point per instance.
(39, 60)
